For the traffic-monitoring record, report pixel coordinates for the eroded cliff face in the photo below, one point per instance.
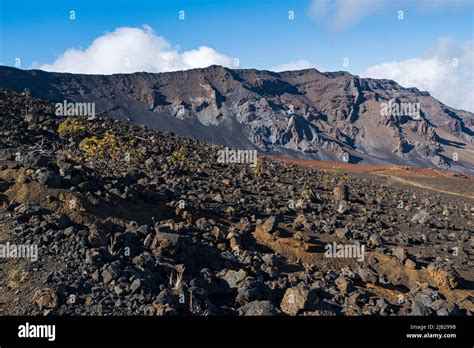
(329, 116)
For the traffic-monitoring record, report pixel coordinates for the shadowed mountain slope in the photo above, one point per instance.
(306, 114)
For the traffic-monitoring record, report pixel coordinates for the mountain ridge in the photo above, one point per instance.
(333, 116)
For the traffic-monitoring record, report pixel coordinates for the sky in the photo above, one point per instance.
(426, 44)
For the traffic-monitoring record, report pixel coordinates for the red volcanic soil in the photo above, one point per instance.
(373, 168)
(436, 180)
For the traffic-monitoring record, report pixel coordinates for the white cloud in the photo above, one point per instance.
(298, 65)
(129, 50)
(447, 72)
(342, 14)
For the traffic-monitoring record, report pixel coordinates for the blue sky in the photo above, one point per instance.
(258, 32)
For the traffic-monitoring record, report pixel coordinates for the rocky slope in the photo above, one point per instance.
(306, 114)
(185, 235)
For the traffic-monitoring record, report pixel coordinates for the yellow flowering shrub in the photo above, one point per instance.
(107, 154)
(71, 127)
(178, 156)
(257, 170)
